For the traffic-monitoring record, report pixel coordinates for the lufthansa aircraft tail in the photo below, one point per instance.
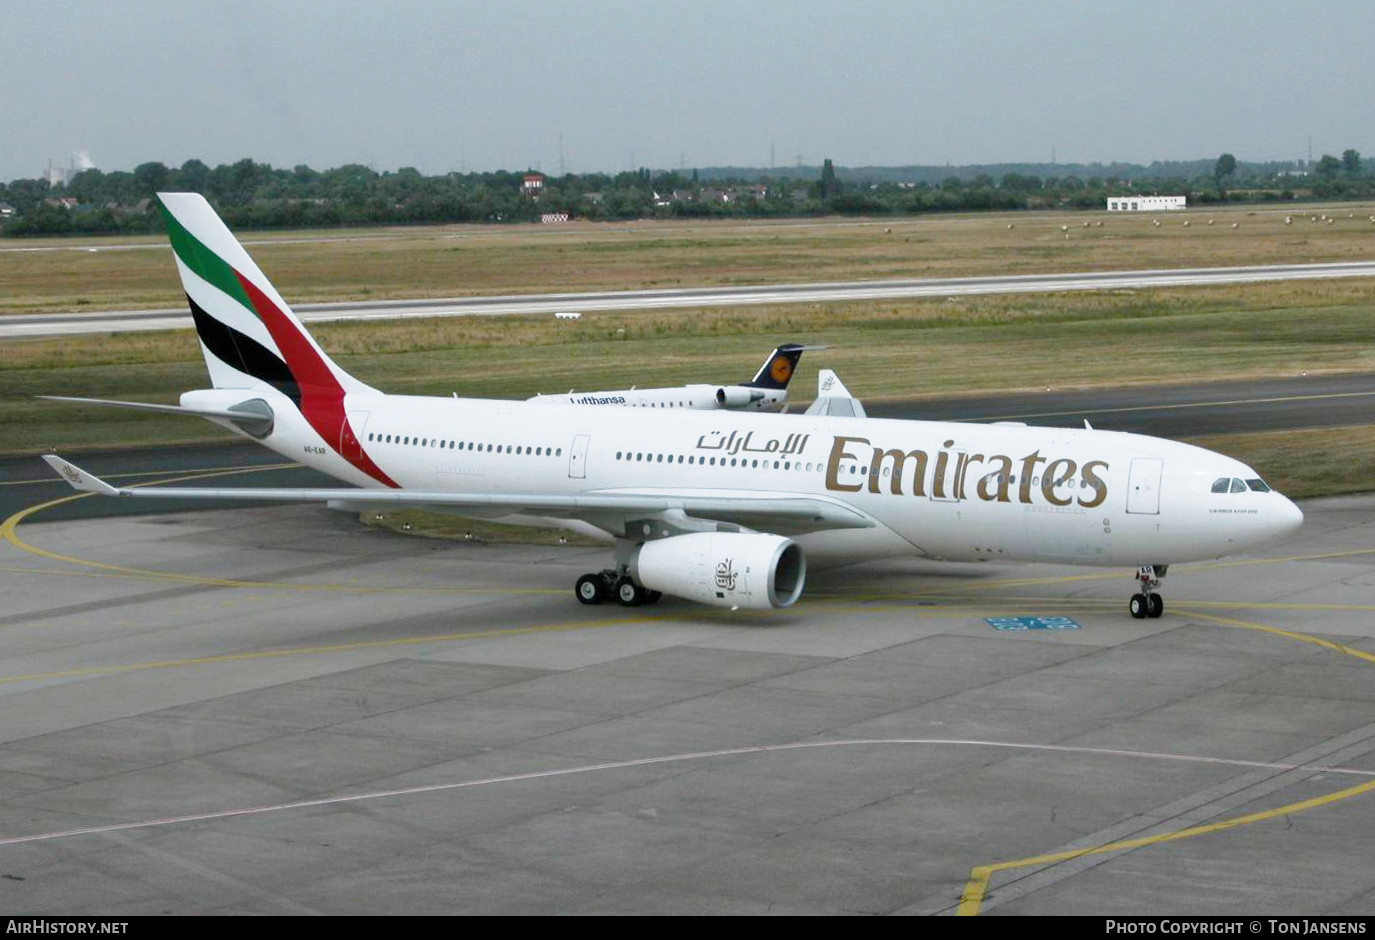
(779, 367)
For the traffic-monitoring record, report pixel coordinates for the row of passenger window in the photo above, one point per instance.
(409, 441)
(1237, 485)
(794, 465)
(752, 463)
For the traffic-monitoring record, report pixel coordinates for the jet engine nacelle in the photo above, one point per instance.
(724, 569)
(737, 396)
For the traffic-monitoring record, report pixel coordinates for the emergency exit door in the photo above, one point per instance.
(1143, 486)
(577, 457)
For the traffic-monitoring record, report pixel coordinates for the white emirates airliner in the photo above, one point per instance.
(718, 507)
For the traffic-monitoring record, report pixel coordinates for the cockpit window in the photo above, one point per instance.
(1238, 485)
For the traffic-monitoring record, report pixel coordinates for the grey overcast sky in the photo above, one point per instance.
(448, 84)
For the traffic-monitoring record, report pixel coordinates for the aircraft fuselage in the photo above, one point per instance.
(952, 491)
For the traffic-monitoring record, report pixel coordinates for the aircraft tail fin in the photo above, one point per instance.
(834, 399)
(779, 367)
(248, 334)
(828, 385)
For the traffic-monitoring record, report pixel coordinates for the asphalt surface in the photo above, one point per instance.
(276, 710)
(26, 325)
(1171, 411)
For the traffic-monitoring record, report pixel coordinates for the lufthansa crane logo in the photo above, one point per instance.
(781, 370)
(725, 576)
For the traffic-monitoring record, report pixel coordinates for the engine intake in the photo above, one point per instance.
(723, 569)
(737, 396)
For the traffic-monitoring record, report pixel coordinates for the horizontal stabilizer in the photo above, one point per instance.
(148, 406)
(254, 415)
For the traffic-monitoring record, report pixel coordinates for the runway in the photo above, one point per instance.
(117, 321)
(278, 711)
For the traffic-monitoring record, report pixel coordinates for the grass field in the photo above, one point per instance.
(452, 261)
(1303, 464)
(883, 350)
(891, 350)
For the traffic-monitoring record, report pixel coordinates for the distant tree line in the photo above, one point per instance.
(255, 195)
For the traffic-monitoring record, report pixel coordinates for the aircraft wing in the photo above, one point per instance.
(779, 513)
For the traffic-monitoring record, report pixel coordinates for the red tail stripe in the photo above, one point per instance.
(322, 397)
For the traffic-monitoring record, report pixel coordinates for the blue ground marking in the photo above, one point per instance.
(1031, 623)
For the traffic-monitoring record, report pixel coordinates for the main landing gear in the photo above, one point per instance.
(1147, 603)
(609, 584)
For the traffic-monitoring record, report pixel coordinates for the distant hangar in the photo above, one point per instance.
(1144, 203)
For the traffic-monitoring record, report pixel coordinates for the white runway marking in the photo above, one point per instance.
(673, 758)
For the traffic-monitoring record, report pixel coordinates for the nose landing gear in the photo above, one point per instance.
(1147, 603)
(610, 584)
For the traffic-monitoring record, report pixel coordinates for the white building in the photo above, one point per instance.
(1144, 203)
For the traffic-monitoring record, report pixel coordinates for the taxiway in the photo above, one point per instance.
(278, 710)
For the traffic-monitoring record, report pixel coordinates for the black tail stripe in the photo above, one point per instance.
(244, 353)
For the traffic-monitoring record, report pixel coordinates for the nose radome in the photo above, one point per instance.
(1290, 516)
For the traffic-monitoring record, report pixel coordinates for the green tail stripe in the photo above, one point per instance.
(200, 259)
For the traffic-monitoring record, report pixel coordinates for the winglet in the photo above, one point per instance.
(78, 478)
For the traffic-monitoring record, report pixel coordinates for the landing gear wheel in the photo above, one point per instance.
(1148, 603)
(1138, 606)
(629, 593)
(590, 589)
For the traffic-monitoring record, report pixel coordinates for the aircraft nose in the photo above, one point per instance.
(1288, 517)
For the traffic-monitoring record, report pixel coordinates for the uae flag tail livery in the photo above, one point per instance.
(250, 338)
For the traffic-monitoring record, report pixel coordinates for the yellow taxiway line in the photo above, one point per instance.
(974, 892)
(976, 889)
(9, 532)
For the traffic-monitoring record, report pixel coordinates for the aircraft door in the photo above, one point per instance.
(351, 435)
(577, 457)
(1143, 486)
